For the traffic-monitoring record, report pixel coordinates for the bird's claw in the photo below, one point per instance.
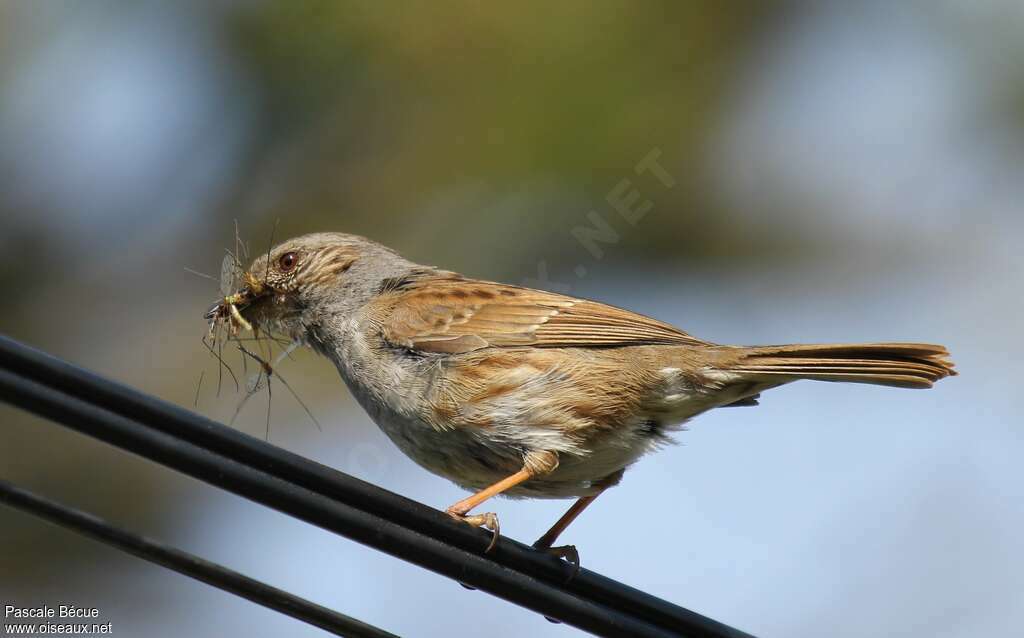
(488, 520)
(568, 553)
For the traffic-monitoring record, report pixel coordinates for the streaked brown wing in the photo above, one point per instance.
(459, 315)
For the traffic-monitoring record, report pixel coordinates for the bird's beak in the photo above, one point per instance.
(252, 289)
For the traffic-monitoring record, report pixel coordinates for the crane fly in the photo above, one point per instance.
(226, 310)
(238, 287)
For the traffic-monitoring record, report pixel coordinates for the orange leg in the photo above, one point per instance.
(462, 507)
(489, 520)
(569, 552)
(549, 538)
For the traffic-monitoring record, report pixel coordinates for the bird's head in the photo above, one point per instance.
(302, 281)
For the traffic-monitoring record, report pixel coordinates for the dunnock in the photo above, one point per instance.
(508, 390)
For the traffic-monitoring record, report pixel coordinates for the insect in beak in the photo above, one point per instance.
(237, 320)
(227, 308)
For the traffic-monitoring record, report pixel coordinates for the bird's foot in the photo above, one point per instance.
(488, 520)
(568, 553)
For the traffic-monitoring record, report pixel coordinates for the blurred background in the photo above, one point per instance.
(832, 171)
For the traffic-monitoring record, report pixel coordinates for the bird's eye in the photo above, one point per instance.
(287, 261)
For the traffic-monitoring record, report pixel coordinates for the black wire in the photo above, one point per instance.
(319, 510)
(188, 564)
(186, 426)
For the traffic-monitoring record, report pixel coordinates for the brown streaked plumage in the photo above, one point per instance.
(509, 390)
(452, 315)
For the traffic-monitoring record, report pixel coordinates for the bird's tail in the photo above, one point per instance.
(902, 365)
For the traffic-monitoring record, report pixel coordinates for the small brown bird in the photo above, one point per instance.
(508, 390)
